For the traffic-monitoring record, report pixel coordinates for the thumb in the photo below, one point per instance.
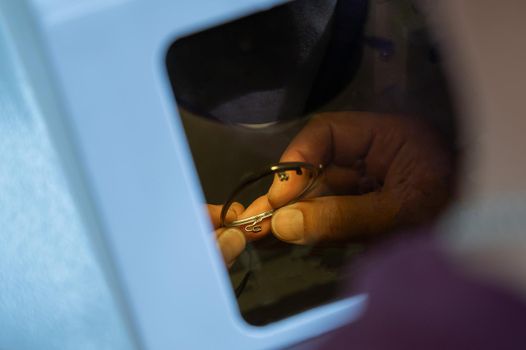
(335, 218)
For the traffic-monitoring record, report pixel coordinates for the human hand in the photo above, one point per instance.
(232, 241)
(387, 171)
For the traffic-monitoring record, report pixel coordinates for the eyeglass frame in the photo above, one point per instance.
(251, 222)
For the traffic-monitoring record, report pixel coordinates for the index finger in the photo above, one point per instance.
(334, 140)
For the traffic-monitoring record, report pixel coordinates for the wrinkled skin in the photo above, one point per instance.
(381, 172)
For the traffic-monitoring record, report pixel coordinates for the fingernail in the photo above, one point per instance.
(231, 242)
(287, 224)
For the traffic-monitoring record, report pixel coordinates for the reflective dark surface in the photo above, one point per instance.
(390, 168)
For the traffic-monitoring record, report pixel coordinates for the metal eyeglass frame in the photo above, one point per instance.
(251, 223)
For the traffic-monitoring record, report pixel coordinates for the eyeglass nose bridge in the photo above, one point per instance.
(280, 169)
(254, 227)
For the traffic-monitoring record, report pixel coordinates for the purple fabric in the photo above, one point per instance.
(420, 300)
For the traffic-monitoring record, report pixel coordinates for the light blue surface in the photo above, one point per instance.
(52, 292)
(97, 72)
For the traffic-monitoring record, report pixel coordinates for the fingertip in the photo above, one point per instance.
(237, 207)
(274, 192)
(234, 211)
(283, 192)
(231, 242)
(258, 206)
(288, 225)
(214, 212)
